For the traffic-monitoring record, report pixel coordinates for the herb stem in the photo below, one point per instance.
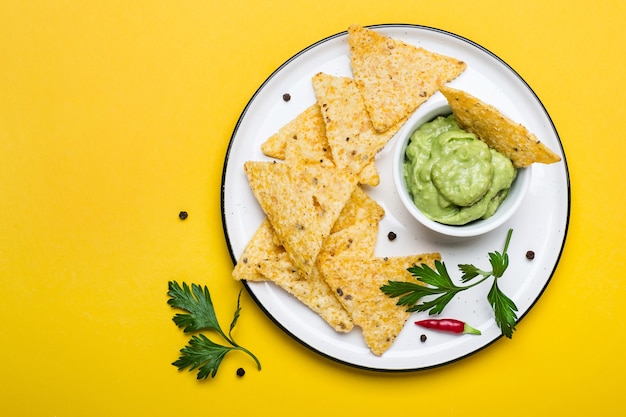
(485, 276)
(236, 346)
(508, 239)
(243, 349)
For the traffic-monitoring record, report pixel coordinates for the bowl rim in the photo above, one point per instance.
(438, 106)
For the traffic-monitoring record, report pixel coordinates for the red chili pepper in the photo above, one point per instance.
(448, 325)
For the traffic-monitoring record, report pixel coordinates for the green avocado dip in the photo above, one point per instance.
(453, 177)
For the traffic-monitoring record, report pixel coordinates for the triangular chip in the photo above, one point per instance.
(352, 138)
(356, 281)
(302, 203)
(395, 78)
(303, 139)
(498, 131)
(263, 260)
(360, 206)
(307, 128)
(312, 291)
(263, 245)
(354, 232)
(369, 175)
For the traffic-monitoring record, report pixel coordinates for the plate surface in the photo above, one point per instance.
(540, 224)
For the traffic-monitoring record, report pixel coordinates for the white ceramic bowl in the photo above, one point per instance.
(438, 106)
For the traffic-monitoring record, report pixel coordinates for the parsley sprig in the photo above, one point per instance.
(201, 352)
(440, 286)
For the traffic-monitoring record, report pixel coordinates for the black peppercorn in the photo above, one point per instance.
(286, 97)
(530, 255)
(241, 372)
(182, 215)
(391, 236)
(423, 338)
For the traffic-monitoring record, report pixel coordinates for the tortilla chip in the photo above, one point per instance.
(369, 175)
(275, 145)
(307, 128)
(355, 232)
(498, 131)
(358, 239)
(359, 207)
(353, 141)
(263, 260)
(395, 78)
(302, 203)
(356, 281)
(303, 139)
(312, 291)
(262, 246)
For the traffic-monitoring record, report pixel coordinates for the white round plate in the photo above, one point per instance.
(540, 224)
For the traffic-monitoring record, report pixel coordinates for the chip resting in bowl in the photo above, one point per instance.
(498, 131)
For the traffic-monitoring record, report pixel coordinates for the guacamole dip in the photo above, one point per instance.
(454, 177)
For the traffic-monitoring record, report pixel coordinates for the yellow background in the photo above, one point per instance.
(115, 115)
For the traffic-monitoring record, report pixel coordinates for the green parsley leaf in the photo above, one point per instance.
(469, 272)
(197, 302)
(504, 310)
(438, 277)
(202, 353)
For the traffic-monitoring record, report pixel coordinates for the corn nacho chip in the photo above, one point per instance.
(353, 141)
(498, 131)
(356, 281)
(359, 206)
(358, 239)
(302, 203)
(312, 291)
(354, 232)
(395, 78)
(304, 139)
(263, 245)
(264, 260)
(306, 128)
(369, 175)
